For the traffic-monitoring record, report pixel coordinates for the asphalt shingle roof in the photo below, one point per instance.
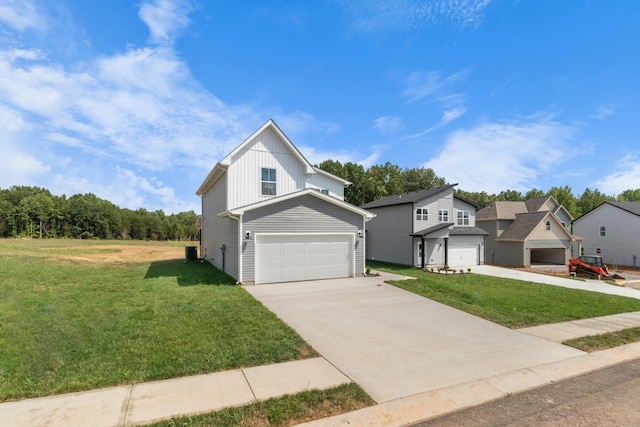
(501, 210)
(633, 207)
(523, 225)
(404, 198)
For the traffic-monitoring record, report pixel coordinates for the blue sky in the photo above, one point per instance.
(135, 101)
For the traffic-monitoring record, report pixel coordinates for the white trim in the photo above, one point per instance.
(309, 191)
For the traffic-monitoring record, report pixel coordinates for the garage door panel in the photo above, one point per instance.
(463, 255)
(286, 258)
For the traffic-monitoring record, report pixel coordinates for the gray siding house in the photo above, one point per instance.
(611, 230)
(431, 227)
(268, 215)
(520, 234)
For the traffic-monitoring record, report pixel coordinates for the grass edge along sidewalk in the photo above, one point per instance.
(71, 324)
(511, 303)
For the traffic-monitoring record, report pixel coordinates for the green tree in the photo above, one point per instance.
(590, 199)
(385, 180)
(481, 199)
(510, 196)
(565, 197)
(629, 196)
(420, 179)
(533, 193)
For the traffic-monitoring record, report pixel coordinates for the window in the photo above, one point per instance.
(598, 251)
(548, 226)
(443, 215)
(463, 217)
(325, 191)
(268, 182)
(603, 231)
(422, 214)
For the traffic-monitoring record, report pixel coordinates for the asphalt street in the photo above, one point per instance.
(607, 397)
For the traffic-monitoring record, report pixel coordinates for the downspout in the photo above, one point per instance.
(364, 244)
(240, 234)
(446, 251)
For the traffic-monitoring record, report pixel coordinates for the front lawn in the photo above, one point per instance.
(512, 303)
(69, 321)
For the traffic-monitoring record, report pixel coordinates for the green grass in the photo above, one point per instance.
(511, 303)
(283, 411)
(68, 326)
(605, 341)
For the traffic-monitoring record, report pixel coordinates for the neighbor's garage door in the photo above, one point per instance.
(291, 258)
(463, 255)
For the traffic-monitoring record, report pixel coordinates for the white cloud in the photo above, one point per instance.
(506, 155)
(388, 124)
(406, 15)
(166, 19)
(21, 15)
(603, 111)
(420, 85)
(625, 177)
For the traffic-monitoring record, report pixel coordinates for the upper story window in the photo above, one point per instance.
(603, 231)
(268, 182)
(548, 226)
(324, 191)
(463, 217)
(443, 215)
(422, 214)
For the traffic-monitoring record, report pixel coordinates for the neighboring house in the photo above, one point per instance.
(268, 215)
(611, 230)
(432, 227)
(536, 231)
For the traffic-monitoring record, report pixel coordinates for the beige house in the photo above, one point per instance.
(521, 234)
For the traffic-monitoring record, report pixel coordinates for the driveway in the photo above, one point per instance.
(394, 343)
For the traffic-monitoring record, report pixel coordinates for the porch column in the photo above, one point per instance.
(424, 249)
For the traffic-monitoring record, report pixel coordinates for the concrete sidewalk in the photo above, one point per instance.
(149, 402)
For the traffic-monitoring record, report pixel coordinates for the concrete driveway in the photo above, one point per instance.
(396, 344)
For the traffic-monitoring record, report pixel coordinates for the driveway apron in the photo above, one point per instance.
(394, 343)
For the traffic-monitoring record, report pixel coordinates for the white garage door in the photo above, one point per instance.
(463, 255)
(291, 258)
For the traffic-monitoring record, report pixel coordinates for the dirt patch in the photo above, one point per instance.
(117, 254)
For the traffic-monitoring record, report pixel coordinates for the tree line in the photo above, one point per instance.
(35, 212)
(384, 180)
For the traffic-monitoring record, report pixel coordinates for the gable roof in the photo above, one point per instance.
(309, 191)
(524, 224)
(501, 210)
(535, 203)
(407, 198)
(221, 167)
(631, 207)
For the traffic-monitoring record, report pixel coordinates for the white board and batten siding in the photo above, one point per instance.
(267, 150)
(309, 237)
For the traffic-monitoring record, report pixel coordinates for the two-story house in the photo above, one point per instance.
(431, 227)
(536, 231)
(611, 230)
(268, 215)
